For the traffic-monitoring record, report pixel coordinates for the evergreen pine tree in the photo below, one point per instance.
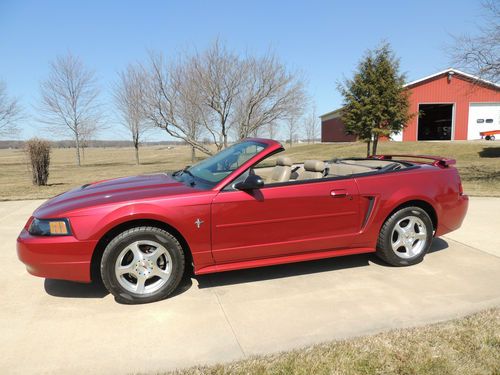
(375, 101)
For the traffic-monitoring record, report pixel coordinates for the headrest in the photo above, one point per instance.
(314, 166)
(284, 161)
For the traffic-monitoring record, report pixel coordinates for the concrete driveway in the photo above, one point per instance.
(52, 326)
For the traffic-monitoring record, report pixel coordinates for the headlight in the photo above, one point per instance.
(49, 227)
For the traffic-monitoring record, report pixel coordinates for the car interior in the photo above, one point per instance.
(285, 170)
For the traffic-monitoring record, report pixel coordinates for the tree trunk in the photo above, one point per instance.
(271, 131)
(193, 154)
(77, 144)
(368, 143)
(137, 154)
(375, 144)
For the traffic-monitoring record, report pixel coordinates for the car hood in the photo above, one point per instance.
(117, 190)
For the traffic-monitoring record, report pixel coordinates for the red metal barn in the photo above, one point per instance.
(451, 105)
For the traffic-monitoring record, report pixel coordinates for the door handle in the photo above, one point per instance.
(339, 193)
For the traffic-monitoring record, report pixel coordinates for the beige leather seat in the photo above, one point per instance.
(344, 169)
(281, 172)
(312, 169)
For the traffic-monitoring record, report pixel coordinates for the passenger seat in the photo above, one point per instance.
(281, 172)
(312, 169)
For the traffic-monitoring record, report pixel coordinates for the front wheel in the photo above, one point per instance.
(142, 264)
(405, 237)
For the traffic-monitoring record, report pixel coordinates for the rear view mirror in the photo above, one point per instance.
(251, 182)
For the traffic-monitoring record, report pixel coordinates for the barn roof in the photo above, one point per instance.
(453, 71)
(337, 112)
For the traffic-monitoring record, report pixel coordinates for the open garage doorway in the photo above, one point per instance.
(435, 122)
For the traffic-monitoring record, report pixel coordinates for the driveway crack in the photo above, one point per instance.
(228, 321)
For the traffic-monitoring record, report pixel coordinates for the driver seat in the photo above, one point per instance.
(282, 171)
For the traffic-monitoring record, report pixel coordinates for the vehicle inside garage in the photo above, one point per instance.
(435, 122)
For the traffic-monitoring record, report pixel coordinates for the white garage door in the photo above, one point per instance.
(483, 117)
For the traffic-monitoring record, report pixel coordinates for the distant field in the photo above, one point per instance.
(478, 162)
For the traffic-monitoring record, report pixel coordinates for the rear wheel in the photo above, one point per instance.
(405, 237)
(142, 264)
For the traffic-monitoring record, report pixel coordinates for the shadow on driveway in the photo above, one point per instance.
(300, 268)
(70, 289)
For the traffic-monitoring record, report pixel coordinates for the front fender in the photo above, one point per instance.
(181, 217)
(95, 224)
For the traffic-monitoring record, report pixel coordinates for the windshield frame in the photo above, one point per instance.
(196, 181)
(272, 147)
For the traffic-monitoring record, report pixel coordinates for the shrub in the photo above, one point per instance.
(38, 151)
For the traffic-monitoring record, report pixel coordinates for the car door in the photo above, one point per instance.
(283, 219)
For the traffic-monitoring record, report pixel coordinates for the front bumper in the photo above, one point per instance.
(64, 257)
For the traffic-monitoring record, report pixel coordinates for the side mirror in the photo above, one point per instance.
(251, 182)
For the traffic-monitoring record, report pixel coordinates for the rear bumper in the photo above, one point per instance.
(453, 215)
(64, 258)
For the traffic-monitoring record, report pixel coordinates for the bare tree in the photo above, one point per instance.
(163, 106)
(190, 111)
(272, 130)
(69, 99)
(194, 96)
(480, 54)
(216, 93)
(88, 133)
(10, 112)
(220, 76)
(129, 96)
(311, 126)
(269, 95)
(292, 125)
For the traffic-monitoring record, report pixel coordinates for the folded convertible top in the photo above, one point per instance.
(437, 161)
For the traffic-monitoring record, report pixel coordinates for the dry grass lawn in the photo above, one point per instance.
(478, 162)
(99, 164)
(469, 346)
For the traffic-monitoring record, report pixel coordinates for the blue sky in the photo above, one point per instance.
(322, 39)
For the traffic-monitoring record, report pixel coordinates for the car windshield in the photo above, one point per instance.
(214, 169)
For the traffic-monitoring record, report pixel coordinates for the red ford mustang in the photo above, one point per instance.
(241, 208)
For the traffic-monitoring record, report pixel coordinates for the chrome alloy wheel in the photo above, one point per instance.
(143, 267)
(409, 237)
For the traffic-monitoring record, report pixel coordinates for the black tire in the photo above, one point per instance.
(384, 244)
(134, 235)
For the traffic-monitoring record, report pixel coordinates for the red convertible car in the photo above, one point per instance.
(244, 207)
